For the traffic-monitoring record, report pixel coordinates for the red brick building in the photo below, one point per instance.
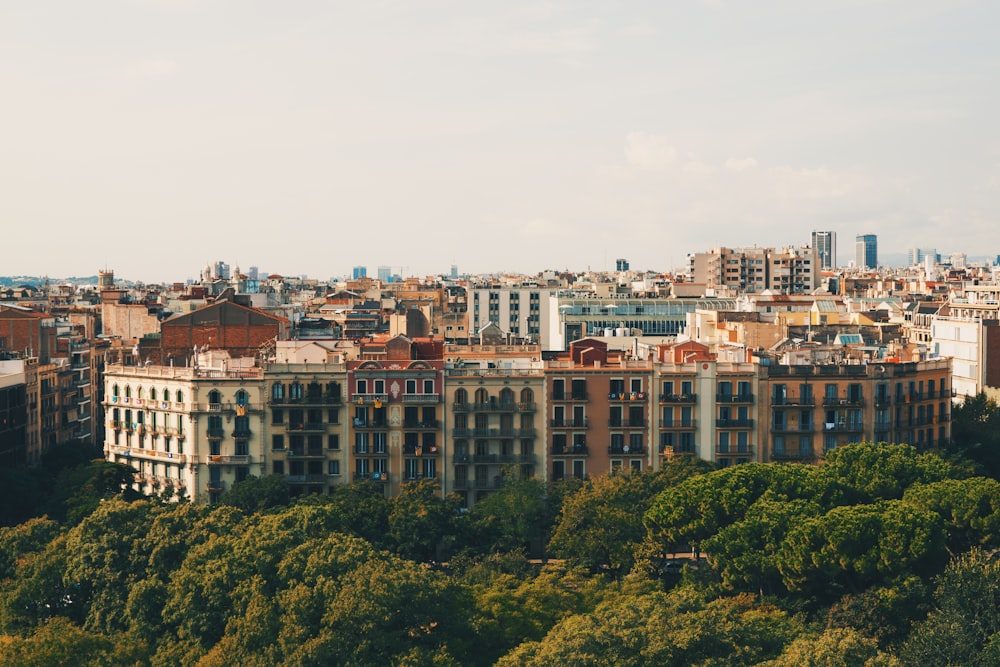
(223, 325)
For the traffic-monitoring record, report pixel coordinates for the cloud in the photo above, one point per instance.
(154, 68)
(649, 151)
(741, 164)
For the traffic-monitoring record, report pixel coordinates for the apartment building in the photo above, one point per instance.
(194, 430)
(598, 412)
(787, 270)
(495, 415)
(525, 311)
(395, 420)
(13, 417)
(809, 409)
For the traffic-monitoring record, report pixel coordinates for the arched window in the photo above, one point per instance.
(482, 396)
(214, 396)
(277, 391)
(506, 395)
(461, 396)
(114, 391)
(295, 391)
(242, 397)
(527, 397)
(128, 391)
(166, 394)
(152, 393)
(138, 392)
(180, 396)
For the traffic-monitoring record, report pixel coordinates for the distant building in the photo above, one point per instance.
(621, 265)
(866, 251)
(221, 270)
(825, 244)
(454, 271)
(919, 255)
(786, 271)
(359, 272)
(385, 273)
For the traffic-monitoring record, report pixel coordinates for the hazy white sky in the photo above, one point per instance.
(306, 137)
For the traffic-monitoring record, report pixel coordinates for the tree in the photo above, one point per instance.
(513, 517)
(835, 647)
(964, 626)
(56, 643)
(421, 523)
(601, 524)
(975, 432)
(853, 547)
(970, 509)
(255, 494)
(882, 471)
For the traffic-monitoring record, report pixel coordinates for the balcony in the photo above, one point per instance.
(737, 450)
(241, 432)
(216, 432)
(228, 459)
(681, 424)
(380, 477)
(216, 485)
(843, 427)
(882, 401)
(627, 396)
(307, 479)
(678, 398)
(626, 450)
(377, 400)
(380, 450)
(370, 425)
(494, 406)
(573, 450)
(578, 396)
(734, 398)
(792, 401)
(734, 423)
(420, 450)
(626, 423)
(314, 453)
(421, 398)
(418, 424)
(315, 427)
(570, 423)
(832, 401)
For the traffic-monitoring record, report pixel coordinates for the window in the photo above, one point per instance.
(278, 467)
(179, 397)
(214, 447)
(429, 468)
(277, 391)
(428, 386)
(362, 386)
(214, 397)
(579, 471)
(559, 389)
(277, 416)
(579, 390)
(333, 441)
(242, 448)
(412, 468)
(277, 442)
(411, 386)
(242, 472)
(617, 387)
(724, 441)
(333, 468)
(295, 391)
(636, 385)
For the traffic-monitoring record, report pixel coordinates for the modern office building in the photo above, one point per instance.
(825, 244)
(359, 272)
(866, 251)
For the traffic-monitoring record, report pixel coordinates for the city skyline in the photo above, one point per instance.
(309, 139)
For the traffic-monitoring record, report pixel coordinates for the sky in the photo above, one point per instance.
(154, 136)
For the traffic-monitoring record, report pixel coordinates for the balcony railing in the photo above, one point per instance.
(421, 398)
(314, 453)
(678, 398)
(421, 423)
(420, 450)
(570, 423)
(626, 423)
(462, 484)
(843, 427)
(678, 424)
(572, 450)
(792, 401)
(370, 399)
(627, 450)
(370, 425)
(216, 485)
(792, 455)
(216, 432)
(381, 477)
(308, 426)
(832, 401)
(734, 450)
(734, 398)
(231, 458)
(241, 432)
(734, 423)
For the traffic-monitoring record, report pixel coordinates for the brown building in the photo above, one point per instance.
(809, 409)
(598, 412)
(222, 325)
